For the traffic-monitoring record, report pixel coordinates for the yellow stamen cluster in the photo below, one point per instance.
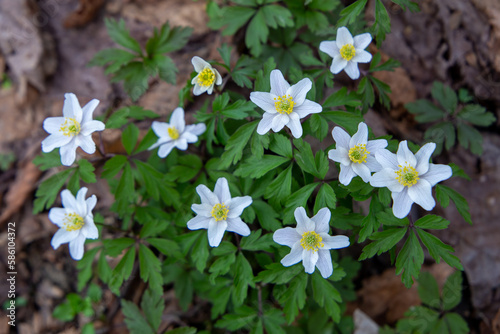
(284, 104)
(206, 77)
(311, 241)
(348, 51)
(407, 175)
(72, 222)
(358, 153)
(173, 132)
(219, 212)
(70, 127)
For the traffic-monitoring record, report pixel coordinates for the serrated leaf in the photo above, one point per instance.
(236, 144)
(428, 290)
(456, 324)
(134, 320)
(439, 250)
(445, 96)
(153, 305)
(119, 34)
(432, 222)
(383, 241)
(257, 33)
(254, 242)
(278, 274)
(86, 171)
(46, 161)
(48, 190)
(410, 260)
(476, 115)
(443, 195)
(281, 145)
(294, 297)
(199, 254)
(256, 168)
(325, 198)
(326, 296)
(452, 291)
(351, 12)
(168, 39)
(425, 111)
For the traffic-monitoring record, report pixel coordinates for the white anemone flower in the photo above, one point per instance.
(356, 154)
(347, 52)
(175, 133)
(410, 177)
(75, 221)
(207, 77)
(218, 212)
(72, 130)
(284, 105)
(310, 242)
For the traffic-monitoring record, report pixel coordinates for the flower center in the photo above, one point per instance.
(407, 175)
(219, 212)
(311, 241)
(347, 51)
(72, 222)
(70, 127)
(358, 153)
(206, 77)
(284, 104)
(173, 132)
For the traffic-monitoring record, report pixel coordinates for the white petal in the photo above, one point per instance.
(165, 149)
(308, 107)
(343, 37)
(294, 125)
(221, 190)
(334, 242)
(299, 90)
(295, 256)
(196, 129)
(279, 85)
(218, 78)
(76, 248)
(309, 260)
(54, 141)
(89, 230)
(402, 203)
(421, 193)
(304, 223)
(265, 123)
(404, 155)
(362, 56)
(324, 263)
(238, 226)
(279, 122)
(90, 203)
(160, 129)
(237, 205)
(198, 89)
(62, 236)
(181, 144)
(360, 137)
(437, 173)
(68, 200)
(189, 137)
(363, 171)
(206, 196)
(81, 206)
(88, 111)
(177, 119)
(362, 41)
(264, 100)
(330, 48)
(386, 178)
(53, 124)
(372, 163)
(352, 70)
(216, 232)
(56, 216)
(341, 155)
(322, 220)
(204, 210)
(346, 174)
(287, 236)
(387, 159)
(199, 64)
(341, 137)
(338, 64)
(91, 126)
(87, 144)
(71, 107)
(423, 155)
(210, 89)
(374, 145)
(198, 222)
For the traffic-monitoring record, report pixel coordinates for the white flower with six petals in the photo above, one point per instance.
(75, 221)
(347, 52)
(72, 130)
(410, 177)
(310, 242)
(356, 155)
(175, 133)
(207, 77)
(218, 212)
(285, 105)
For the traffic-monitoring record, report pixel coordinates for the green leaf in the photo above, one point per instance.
(166, 247)
(432, 222)
(257, 33)
(443, 195)
(345, 119)
(326, 296)
(117, 58)
(85, 268)
(129, 137)
(243, 316)
(199, 254)
(294, 298)
(407, 4)
(281, 187)
(342, 98)
(135, 77)
(243, 278)
(86, 171)
(382, 24)
(254, 242)
(410, 260)
(236, 144)
(439, 250)
(168, 40)
(232, 17)
(428, 290)
(425, 111)
(298, 198)
(149, 266)
(281, 145)
(103, 268)
(113, 166)
(189, 166)
(445, 96)
(266, 215)
(122, 271)
(370, 223)
(456, 324)
(452, 291)
(153, 305)
(115, 247)
(470, 137)
(476, 115)
(325, 198)
(225, 54)
(383, 241)
(277, 16)
(440, 133)
(182, 330)
(46, 161)
(119, 34)
(278, 274)
(48, 190)
(351, 12)
(134, 320)
(304, 157)
(256, 168)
